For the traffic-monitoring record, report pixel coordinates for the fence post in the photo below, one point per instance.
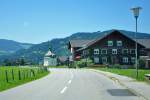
(30, 73)
(12, 73)
(46, 69)
(33, 73)
(41, 70)
(19, 75)
(24, 75)
(6, 74)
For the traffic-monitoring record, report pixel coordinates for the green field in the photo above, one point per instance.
(13, 76)
(127, 72)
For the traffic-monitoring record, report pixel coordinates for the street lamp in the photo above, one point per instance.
(136, 11)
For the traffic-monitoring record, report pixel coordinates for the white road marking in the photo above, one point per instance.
(69, 81)
(72, 75)
(63, 90)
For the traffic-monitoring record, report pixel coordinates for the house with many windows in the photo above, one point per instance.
(112, 48)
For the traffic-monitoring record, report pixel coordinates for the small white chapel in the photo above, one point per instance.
(50, 59)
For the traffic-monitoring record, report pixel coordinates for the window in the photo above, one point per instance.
(96, 51)
(96, 60)
(110, 43)
(84, 52)
(104, 60)
(125, 59)
(125, 51)
(114, 51)
(104, 51)
(133, 60)
(132, 51)
(119, 43)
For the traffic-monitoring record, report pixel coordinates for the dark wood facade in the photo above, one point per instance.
(114, 48)
(74, 46)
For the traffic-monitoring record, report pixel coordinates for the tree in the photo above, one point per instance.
(7, 62)
(22, 61)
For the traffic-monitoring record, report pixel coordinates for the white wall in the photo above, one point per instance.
(48, 61)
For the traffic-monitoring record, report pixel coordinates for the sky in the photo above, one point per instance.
(36, 21)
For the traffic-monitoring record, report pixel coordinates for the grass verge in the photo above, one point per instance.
(57, 67)
(127, 72)
(13, 76)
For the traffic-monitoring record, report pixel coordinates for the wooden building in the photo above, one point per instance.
(75, 45)
(114, 47)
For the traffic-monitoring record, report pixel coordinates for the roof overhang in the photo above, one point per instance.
(109, 33)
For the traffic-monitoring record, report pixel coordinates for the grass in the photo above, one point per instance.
(13, 78)
(127, 72)
(57, 66)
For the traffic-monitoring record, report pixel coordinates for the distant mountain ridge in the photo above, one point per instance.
(36, 52)
(10, 46)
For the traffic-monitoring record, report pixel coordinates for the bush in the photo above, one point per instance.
(89, 62)
(80, 64)
(84, 63)
(115, 66)
(99, 66)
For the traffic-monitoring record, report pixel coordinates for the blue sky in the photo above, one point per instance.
(36, 21)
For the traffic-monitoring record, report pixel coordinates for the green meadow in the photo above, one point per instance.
(127, 72)
(14, 76)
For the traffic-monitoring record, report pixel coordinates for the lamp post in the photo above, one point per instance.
(136, 11)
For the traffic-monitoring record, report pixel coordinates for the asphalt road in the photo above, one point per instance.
(70, 84)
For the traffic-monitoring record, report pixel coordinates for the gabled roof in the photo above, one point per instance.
(106, 33)
(49, 54)
(128, 34)
(79, 43)
(145, 42)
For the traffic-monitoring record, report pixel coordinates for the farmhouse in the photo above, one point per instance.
(114, 47)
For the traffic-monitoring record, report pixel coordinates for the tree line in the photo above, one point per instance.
(15, 62)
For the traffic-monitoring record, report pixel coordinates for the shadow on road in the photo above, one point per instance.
(120, 92)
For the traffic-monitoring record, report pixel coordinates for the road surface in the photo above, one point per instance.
(70, 84)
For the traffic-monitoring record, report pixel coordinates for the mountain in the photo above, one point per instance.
(9, 46)
(36, 52)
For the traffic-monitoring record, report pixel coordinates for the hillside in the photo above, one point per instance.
(36, 53)
(9, 46)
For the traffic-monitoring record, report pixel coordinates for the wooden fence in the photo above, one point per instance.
(16, 74)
